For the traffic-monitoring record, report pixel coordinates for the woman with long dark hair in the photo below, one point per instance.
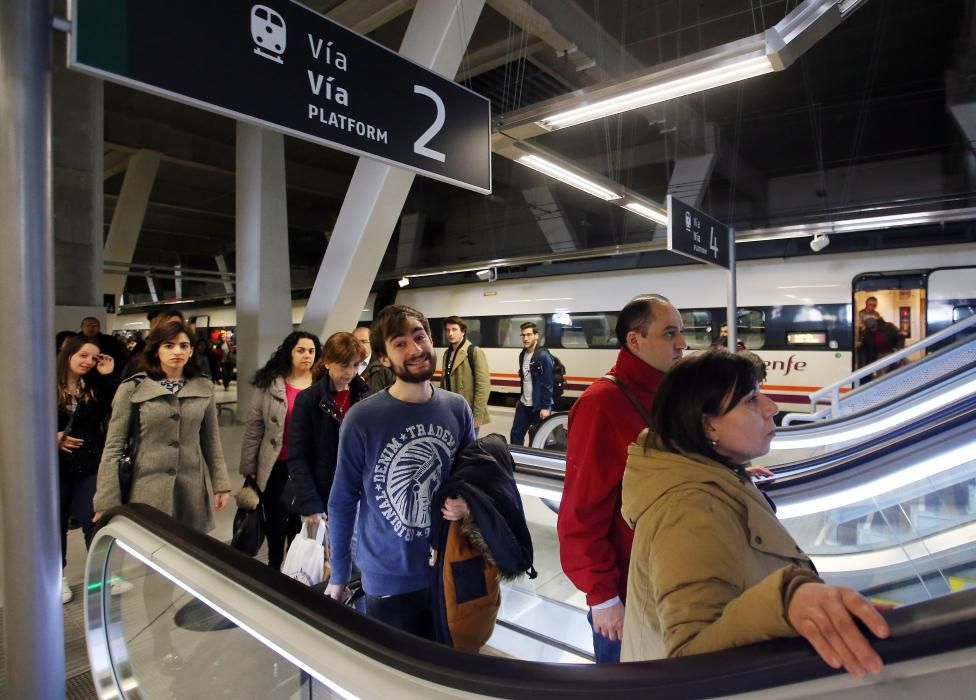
(264, 450)
(85, 390)
(178, 445)
(712, 567)
(313, 443)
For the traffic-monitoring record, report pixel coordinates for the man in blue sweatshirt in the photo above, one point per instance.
(395, 449)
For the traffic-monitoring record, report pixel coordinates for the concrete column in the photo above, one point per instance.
(78, 189)
(263, 272)
(222, 267)
(130, 210)
(33, 629)
(690, 177)
(551, 218)
(411, 236)
(436, 38)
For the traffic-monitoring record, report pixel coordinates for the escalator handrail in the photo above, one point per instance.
(897, 356)
(848, 458)
(552, 465)
(920, 630)
(805, 429)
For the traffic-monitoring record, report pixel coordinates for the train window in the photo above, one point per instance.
(752, 328)
(573, 338)
(807, 338)
(440, 336)
(589, 331)
(698, 328)
(961, 312)
(510, 332)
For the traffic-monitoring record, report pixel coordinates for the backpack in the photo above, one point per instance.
(558, 376)
(558, 373)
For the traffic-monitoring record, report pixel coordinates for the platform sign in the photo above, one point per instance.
(695, 234)
(279, 65)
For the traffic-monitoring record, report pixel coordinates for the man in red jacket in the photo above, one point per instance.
(594, 539)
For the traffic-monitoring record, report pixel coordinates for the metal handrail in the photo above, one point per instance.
(833, 390)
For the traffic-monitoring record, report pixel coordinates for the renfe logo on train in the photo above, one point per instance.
(279, 65)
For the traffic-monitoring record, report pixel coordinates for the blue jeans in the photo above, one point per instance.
(524, 418)
(604, 650)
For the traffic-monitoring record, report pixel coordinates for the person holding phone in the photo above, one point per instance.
(85, 387)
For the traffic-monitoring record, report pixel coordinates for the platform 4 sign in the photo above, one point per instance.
(280, 65)
(695, 234)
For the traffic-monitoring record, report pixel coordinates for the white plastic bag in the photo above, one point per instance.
(305, 560)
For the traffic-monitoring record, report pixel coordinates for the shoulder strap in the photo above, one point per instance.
(471, 348)
(133, 436)
(630, 397)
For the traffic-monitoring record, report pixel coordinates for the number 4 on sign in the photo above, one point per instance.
(420, 145)
(712, 241)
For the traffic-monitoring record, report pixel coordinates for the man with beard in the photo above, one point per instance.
(395, 449)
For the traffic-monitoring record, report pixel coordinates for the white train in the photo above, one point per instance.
(796, 314)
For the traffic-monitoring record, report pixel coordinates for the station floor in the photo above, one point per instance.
(552, 583)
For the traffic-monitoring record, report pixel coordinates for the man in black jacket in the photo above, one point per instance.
(536, 377)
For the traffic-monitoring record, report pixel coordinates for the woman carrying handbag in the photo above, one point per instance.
(85, 390)
(178, 444)
(264, 449)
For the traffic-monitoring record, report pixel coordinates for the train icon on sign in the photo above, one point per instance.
(269, 33)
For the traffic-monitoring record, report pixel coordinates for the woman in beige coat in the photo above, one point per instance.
(711, 566)
(178, 449)
(264, 450)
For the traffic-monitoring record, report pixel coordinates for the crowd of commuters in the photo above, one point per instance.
(660, 526)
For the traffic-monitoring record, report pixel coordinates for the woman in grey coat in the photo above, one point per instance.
(178, 448)
(264, 450)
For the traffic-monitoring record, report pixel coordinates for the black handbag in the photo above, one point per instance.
(248, 529)
(127, 465)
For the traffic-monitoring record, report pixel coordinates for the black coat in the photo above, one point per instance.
(90, 424)
(313, 445)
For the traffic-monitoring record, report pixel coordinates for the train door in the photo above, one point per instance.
(951, 298)
(896, 298)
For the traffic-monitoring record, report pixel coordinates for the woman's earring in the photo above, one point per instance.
(714, 443)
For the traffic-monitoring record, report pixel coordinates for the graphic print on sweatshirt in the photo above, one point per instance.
(410, 469)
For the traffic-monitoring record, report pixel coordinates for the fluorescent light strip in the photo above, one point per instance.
(898, 554)
(648, 213)
(251, 631)
(660, 92)
(874, 427)
(563, 175)
(886, 484)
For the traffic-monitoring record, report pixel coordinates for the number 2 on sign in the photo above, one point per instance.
(712, 242)
(420, 145)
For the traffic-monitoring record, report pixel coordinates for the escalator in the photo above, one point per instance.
(271, 637)
(895, 518)
(914, 392)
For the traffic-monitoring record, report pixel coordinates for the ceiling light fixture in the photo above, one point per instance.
(648, 213)
(570, 178)
(663, 90)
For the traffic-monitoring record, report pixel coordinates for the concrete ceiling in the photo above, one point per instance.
(861, 118)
